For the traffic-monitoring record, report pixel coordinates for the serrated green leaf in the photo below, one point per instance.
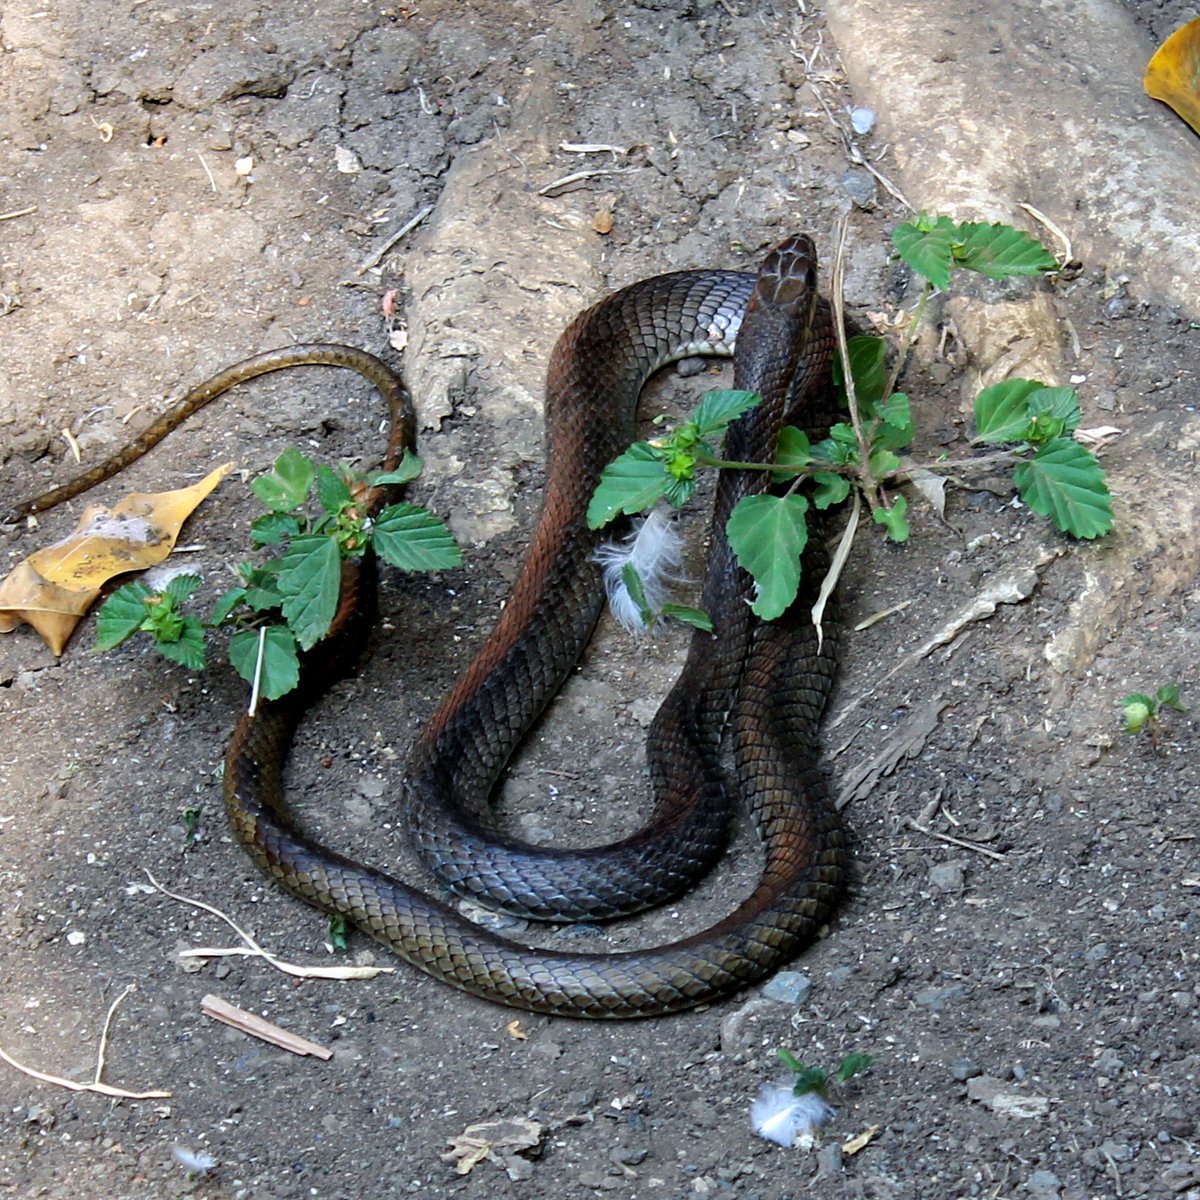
(163, 621)
(883, 463)
(187, 648)
(830, 489)
(1169, 696)
(310, 578)
(696, 617)
(1002, 410)
(927, 247)
(868, 367)
(1056, 405)
(810, 1079)
(1065, 482)
(895, 429)
(768, 534)
(274, 527)
(181, 587)
(719, 408)
(333, 492)
(413, 539)
(629, 484)
(286, 485)
(408, 470)
(792, 450)
(121, 615)
(1137, 711)
(1000, 251)
(894, 519)
(226, 604)
(851, 1065)
(281, 664)
(790, 1061)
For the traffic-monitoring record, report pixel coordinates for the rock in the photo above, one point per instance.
(963, 1069)
(735, 1035)
(990, 1092)
(224, 74)
(947, 877)
(937, 998)
(859, 185)
(788, 987)
(1044, 1184)
(829, 1160)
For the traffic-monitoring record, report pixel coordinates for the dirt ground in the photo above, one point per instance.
(187, 185)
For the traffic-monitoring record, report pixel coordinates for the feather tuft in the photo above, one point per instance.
(780, 1116)
(655, 552)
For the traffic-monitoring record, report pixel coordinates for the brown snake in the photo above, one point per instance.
(767, 682)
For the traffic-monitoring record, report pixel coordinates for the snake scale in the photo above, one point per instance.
(766, 684)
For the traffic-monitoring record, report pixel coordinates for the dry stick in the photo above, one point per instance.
(18, 212)
(72, 1085)
(259, 1027)
(954, 841)
(580, 176)
(255, 948)
(405, 229)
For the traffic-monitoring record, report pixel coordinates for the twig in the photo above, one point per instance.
(835, 568)
(954, 841)
(255, 948)
(112, 1008)
(97, 1086)
(207, 172)
(258, 669)
(1041, 217)
(403, 231)
(884, 613)
(18, 212)
(578, 177)
(259, 1027)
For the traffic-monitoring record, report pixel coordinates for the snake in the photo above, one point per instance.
(762, 686)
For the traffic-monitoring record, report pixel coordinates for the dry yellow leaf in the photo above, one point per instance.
(1173, 75)
(855, 1144)
(56, 585)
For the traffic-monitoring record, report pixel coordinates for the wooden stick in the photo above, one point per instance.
(256, 1026)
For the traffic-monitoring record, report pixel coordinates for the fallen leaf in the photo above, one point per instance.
(514, 1030)
(510, 1135)
(855, 1144)
(1173, 74)
(56, 585)
(602, 222)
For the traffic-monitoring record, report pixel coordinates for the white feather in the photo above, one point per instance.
(198, 1162)
(655, 551)
(780, 1116)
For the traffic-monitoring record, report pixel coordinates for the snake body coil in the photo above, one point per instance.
(766, 683)
(772, 680)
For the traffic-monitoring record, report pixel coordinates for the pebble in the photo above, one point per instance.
(1097, 953)
(937, 998)
(963, 1069)
(829, 1160)
(517, 1168)
(629, 1156)
(1043, 1183)
(788, 987)
(860, 187)
(947, 877)
(735, 1034)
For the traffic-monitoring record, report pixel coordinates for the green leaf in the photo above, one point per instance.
(226, 604)
(1065, 482)
(1137, 710)
(187, 648)
(894, 519)
(1168, 696)
(637, 593)
(285, 487)
(274, 527)
(792, 450)
(181, 587)
(121, 615)
(1002, 410)
(1053, 412)
(696, 617)
(790, 1061)
(810, 1079)
(413, 539)
(927, 246)
(883, 463)
(768, 535)
(895, 428)
(310, 577)
(719, 408)
(830, 489)
(629, 484)
(408, 470)
(333, 492)
(1000, 251)
(281, 664)
(868, 367)
(851, 1065)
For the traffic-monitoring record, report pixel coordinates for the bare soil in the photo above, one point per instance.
(184, 186)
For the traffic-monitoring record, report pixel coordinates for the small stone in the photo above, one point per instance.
(860, 187)
(371, 786)
(1180, 1127)
(516, 1167)
(1109, 1062)
(630, 1156)
(963, 1069)
(1044, 1184)
(735, 1028)
(829, 1160)
(1096, 953)
(937, 998)
(788, 987)
(947, 877)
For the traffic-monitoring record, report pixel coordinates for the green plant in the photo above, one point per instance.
(337, 932)
(1055, 475)
(1142, 713)
(813, 1079)
(286, 604)
(190, 815)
